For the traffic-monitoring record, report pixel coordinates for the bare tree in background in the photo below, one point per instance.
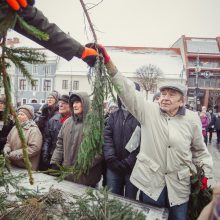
(148, 76)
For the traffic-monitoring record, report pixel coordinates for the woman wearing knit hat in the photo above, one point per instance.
(13, 148)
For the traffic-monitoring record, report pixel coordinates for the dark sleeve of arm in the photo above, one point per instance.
(59, 42)
(47, 140)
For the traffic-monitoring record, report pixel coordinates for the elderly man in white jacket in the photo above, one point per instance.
(171, 142)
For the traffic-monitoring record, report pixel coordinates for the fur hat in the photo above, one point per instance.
(27, 110)
(64, 98)
(55, 94)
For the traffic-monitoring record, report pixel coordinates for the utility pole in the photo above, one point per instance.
(197, 71)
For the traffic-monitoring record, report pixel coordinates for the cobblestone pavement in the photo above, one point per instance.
(214, 150)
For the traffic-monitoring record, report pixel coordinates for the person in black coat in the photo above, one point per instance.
(217, 127)
(4, 128)
(119, 161)
(53, 128)
(211, 125)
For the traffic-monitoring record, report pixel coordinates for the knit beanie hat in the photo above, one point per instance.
(74, 98)
(27, 110)
(55, 94)
(64, 98)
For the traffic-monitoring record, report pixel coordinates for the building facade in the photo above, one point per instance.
(201, 58)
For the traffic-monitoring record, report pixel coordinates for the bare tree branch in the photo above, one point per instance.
(148, 76)
(89, 20)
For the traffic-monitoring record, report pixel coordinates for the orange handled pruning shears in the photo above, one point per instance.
(15, 4)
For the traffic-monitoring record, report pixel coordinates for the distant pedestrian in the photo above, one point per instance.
(211, 125)
(205, 122)
(217, 127)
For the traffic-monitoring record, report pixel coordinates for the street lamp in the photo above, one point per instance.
(197, 71)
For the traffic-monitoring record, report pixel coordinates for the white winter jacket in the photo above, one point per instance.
(167, 145)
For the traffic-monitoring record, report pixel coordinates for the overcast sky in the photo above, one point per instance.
(150, 23)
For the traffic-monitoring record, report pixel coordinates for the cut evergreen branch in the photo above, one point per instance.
(6, 177)
(96, 205)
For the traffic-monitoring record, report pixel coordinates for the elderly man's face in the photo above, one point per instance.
(170, 101)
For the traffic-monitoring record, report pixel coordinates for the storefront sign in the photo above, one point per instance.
(193, 92)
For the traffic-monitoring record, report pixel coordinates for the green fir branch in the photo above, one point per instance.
(96, 204)
(32, 30)
(27, 55)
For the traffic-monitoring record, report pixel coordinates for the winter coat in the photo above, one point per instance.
(59, 42)
(33, 139)
(4, 130)
(51, 134)
(217, 123)
(212, 123)
(166, 144)
(205, 123)
(68, 142)
(117, 133)
(47, 112)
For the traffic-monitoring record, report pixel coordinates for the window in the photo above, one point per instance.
(65, 84)
(22, 84)
(47, 85)
(34, 87)
(35, 69)
(24, 101)
(75, 85)
(47, 69)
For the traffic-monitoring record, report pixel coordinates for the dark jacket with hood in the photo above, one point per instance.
(51, 134)
(69, 140)
(118, 131)
(59, 42)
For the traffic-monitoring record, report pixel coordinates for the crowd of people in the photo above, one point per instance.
(146, 144)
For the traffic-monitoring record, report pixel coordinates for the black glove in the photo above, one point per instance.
(118, 166)
(45, 160)
(89, 56)
(101, 50)
(54, 167)
(19, 4)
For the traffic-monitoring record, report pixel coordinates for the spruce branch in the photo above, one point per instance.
(32, 30)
